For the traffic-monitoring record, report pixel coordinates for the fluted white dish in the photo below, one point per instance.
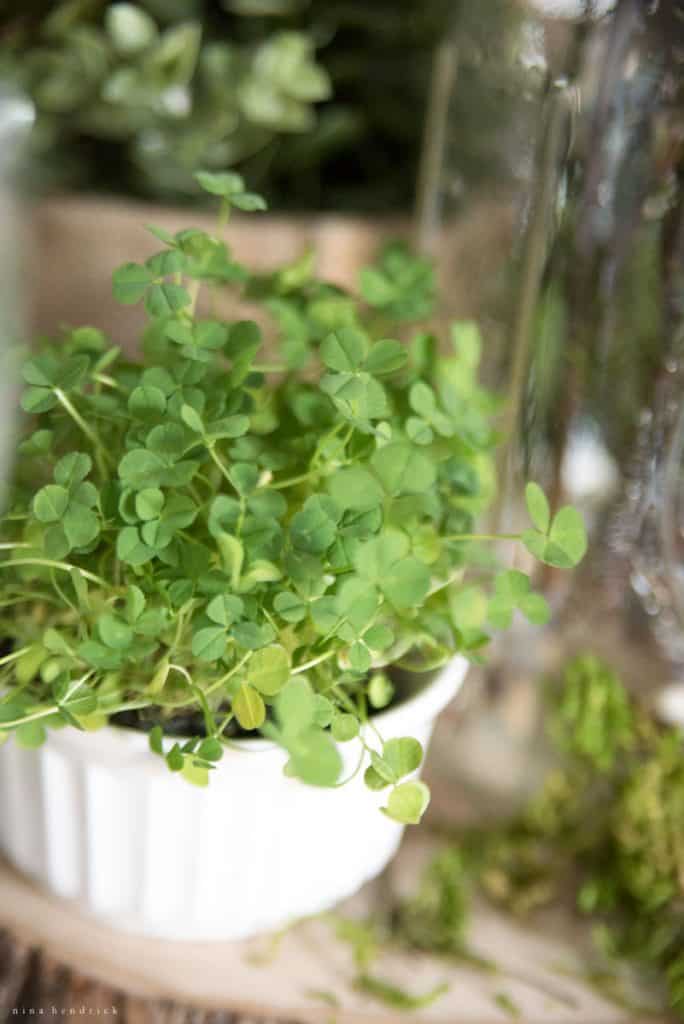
(98, 819)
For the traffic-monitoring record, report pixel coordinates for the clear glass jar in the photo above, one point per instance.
(570, 252)
(16, 116)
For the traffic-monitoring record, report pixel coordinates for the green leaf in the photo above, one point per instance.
(192, 419)
(166, 299)
(225, 609)
(244, 476)
(130, 28)
(114, 632)
(30, 735)
(314, 528)
(10, 713)
(402, 756)
(248, 201)
(407, 803)
(344, 727)
(162, 264)
(195, 773)
(155, 740)
(407, 583)
(360, 657)
(209, 644)
(374, 780)
(175, 759)
(147, 402)
(403, 470)
(141, 469)
(295, 706)
(469, 608)
(232, 555)
(566, 543)
(71, 372)
(80, 525)
(290, 607)
(314, 758)
(269, 669)
(535, 608)
(130, 548)
(422, 399)
(73, 468)
(355, 488)
(225, 183)
(149, 503)
(55, 542)
(131, 281)
(49, 504)
(386, 356)
(419, 431)
(537, 507)
(38, 400)
(135, 603)
(396, 997)
(252, 636)
(344, 350)
(249, 708)
(324, 711)
(210, 749)
(376, 288)
(380, 690)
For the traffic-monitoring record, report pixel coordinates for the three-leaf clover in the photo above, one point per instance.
(512, 589)
(67, 507)
(561, 541)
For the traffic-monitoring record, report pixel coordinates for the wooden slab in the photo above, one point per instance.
(285, 979)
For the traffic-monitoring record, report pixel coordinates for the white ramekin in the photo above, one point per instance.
(98, 819)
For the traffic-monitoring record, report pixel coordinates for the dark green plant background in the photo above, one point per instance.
(321, 103)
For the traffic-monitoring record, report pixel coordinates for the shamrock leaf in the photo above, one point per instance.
(562, 541)
(130, 282)
(314, 528)
(269, 669)
(385, 561)
(68, 505)
(403, 470)
(511, 591)
(345, 350)
(407, 803)
(249, 707)
(48, 377)
(231, 188)
(314, 758)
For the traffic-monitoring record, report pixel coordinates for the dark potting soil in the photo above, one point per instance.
(191, 723)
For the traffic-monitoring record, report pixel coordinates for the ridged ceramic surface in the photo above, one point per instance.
(98, 819)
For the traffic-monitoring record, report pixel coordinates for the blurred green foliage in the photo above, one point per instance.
(321, 102)
(605, 831)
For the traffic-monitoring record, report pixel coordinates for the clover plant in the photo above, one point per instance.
(213, 541)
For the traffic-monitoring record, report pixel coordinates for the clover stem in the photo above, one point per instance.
(47, 563)
(314, 661)
(224, 213)
(482, 536)
(228, 675)
(291, 481)
(8, 546)
(33, 717)
(79, 421)
(226, 721)
(14, 655)
(109, 382)
(193, 291)
(269, 368)
(221, 466)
